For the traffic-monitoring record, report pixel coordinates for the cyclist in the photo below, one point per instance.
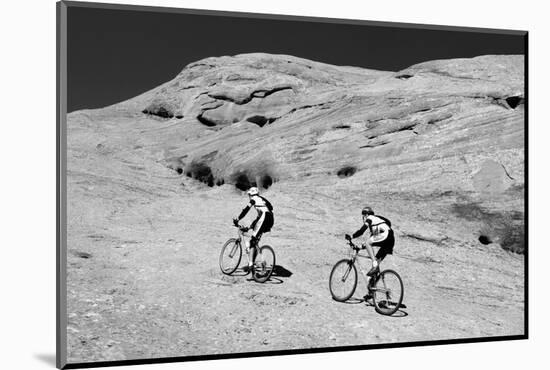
(381, 235)
(262, 224)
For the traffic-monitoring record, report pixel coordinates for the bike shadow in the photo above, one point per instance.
(240, 272)
(354, 300)
(400, 313)
(397, 314)
(275, 278)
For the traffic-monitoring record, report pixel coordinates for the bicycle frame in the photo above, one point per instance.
(241, 238)
(382, 289)
(355, 260)
(368, 279)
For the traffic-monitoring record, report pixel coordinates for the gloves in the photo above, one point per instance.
(235, 222)
(348, 237)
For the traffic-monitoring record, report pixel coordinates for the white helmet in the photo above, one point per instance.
(367, 211)
(253, 191)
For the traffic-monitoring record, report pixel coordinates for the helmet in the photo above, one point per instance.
(253, 191)
(366, 211)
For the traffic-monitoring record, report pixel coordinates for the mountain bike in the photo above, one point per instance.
(232, 251)
(385, 287)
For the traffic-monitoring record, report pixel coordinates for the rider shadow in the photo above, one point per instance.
(275, 278)
(280, 271)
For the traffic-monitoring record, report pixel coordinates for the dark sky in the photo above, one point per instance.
(114, 55)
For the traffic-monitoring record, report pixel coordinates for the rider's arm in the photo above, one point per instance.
(360, 231)
(253, 224)
(245, 210)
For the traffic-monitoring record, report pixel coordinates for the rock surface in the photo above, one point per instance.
(154, 181)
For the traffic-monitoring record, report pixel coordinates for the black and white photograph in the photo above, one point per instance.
(239, 184)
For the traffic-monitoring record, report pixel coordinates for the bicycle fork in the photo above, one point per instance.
(234, 249)
(345, 277)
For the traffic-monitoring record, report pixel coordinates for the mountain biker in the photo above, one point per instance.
(262, 224)
(381, 235)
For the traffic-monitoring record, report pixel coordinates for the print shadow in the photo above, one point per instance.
(46, 358)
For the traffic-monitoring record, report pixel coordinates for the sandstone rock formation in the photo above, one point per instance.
(430, 130)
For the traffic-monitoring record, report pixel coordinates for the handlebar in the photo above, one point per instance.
(241, 228)
(353, 246)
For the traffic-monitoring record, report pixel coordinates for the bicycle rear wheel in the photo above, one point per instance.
(388, 292)
(230, 256)
(343, 280)
(264, 263)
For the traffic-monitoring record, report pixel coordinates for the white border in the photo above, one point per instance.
(28, 181)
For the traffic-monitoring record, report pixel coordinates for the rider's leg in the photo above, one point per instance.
(371, 254)
(382, 253)
(371, 271)
(374, 268)
(247, 249)
(252, 250)
(386, 247)
(255, 238)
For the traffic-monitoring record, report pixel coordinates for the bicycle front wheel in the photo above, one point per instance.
(264, 263)
(230, 256)
(388, 292)
(343, 280)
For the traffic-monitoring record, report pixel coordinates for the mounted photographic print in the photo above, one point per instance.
(234, 184)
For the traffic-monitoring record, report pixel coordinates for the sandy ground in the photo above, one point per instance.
(144, 281)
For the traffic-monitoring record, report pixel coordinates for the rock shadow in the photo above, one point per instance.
(346, 171)
(244, 180)
(506, 228)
